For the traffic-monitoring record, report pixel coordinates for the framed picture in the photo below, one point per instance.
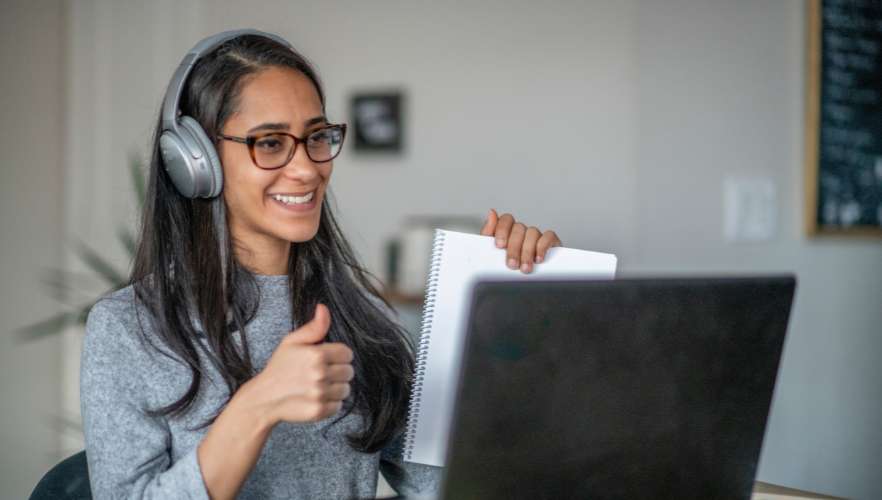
(377, 121)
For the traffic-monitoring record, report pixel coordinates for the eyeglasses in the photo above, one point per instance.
(274, 150)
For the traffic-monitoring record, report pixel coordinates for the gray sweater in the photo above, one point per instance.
(134, 455)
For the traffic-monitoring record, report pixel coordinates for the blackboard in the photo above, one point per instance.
(844, 118)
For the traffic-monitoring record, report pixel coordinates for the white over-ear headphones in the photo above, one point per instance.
(188, 154)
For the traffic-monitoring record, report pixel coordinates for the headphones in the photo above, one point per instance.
(187, 152)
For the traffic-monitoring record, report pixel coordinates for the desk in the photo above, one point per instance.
(766, 491)
(761, 491)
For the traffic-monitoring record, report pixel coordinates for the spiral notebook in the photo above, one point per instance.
(458, 260)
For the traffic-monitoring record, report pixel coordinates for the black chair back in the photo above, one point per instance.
(69, 480)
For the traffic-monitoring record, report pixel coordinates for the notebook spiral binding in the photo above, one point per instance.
(423, 349)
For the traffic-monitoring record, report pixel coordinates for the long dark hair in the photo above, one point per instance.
(185, 268)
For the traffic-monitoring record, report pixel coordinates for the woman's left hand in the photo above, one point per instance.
(525, 245)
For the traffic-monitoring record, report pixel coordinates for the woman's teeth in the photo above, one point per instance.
(288, 200)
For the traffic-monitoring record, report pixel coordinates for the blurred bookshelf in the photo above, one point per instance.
(398, 298)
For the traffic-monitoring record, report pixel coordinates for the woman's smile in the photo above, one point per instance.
(297, 202)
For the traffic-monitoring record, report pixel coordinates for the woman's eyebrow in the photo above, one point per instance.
(269, 126)
(314, 120)
(284, 126)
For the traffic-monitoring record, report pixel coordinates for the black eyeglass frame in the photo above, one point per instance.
(252, 139)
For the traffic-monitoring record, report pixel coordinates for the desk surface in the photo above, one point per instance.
(761, 491)
(766, 491)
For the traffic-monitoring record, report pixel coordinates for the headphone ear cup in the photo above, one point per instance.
(211, 175)
(178, 163)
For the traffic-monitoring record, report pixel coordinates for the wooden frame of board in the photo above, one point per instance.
(812, 133)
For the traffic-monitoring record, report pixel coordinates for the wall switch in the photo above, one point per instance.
(750, 209)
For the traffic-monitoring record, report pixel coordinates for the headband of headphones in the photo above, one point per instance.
(188, 153)
(176, 85)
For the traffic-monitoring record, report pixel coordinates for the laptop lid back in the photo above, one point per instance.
(634, 388)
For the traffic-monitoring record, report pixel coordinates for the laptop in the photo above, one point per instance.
(633, 388)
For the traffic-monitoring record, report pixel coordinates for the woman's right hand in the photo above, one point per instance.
(304, 380)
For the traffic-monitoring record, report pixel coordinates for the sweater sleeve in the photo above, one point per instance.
(127, 449)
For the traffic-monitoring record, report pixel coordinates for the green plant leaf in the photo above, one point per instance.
(49, 326)
(138, 179)
(128, 241)
(68, 423)
(83, 314)
(57, 282)
(64, 285)
(101, 266)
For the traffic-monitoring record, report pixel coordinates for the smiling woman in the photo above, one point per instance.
(277, 203)
(250, 355)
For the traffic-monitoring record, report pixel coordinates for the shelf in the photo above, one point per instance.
(396, 297)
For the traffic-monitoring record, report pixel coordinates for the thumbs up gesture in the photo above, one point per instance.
(304, 380)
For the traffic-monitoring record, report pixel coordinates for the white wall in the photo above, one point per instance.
(654, 102)
(31, 189)
(721, 93)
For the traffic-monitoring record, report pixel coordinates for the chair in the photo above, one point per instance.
(69, 480)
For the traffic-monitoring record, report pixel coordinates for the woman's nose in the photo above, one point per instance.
(301, 167)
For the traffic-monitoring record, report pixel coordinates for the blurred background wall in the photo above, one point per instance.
(32, 191)
(616, 123)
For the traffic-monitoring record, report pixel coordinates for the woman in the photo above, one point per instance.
(250, 355)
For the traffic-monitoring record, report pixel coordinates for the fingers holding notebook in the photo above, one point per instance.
(524, 245)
